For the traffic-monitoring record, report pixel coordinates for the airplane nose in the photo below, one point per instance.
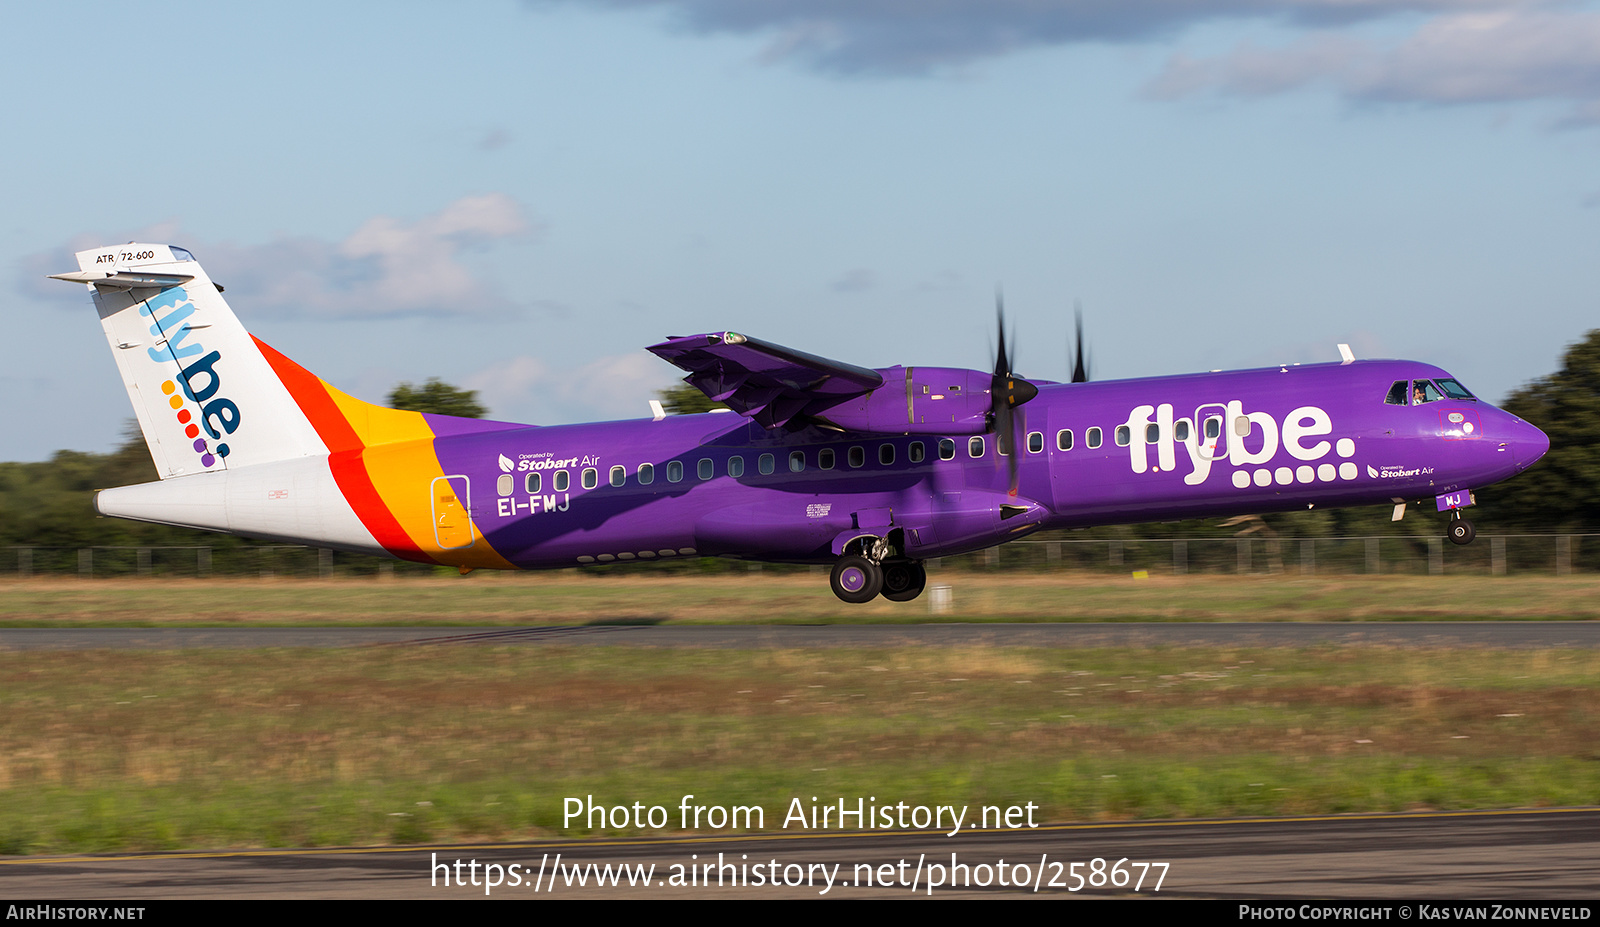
(1528, 444)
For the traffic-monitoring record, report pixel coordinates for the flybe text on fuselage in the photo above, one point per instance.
(1225, 432)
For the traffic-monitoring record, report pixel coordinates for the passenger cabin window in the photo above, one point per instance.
(857, 457)
(916, 453)
(1180, 429)
(1397, 394)
(1152, 434)
(947, 448)
(797, 461)
(531, 483)
(1093, 437)
(886, 454)
(674, 471)
(825, 458)
(1035, 442)
(766, 464)
(559, 481)
(1124, 434)
(647, 474)
(1064, 439)
(505, 484)
(974, 447)
(591, 478)
(705, 468)
(1213, 427)
(619, 475)
(736, 466)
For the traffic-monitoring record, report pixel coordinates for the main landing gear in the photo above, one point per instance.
(1461, 530)
(857, 579)
(903, 580)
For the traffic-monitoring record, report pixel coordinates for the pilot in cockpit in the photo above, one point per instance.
(1424, 391)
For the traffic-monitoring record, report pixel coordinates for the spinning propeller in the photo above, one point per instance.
(1080, 367)
(1007, 391)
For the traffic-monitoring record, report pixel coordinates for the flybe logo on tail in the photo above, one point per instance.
(198, 379)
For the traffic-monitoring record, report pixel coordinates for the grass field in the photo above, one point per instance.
(138, 750)
(121, 750)
(770, 597)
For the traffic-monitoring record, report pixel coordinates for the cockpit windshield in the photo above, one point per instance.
(1417, 392)
(1424, 391)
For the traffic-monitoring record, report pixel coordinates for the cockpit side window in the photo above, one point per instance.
(1454, 389)
(1397, 394)
(1424, 391)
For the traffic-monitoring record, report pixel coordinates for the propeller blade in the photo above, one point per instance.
(1080, 367)
(1007, 391)
(1002, 363)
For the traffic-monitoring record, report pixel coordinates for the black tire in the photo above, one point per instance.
(903, 580)
(856, 580)
(1462, 531)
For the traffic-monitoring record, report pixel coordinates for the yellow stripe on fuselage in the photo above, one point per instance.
(400, 460)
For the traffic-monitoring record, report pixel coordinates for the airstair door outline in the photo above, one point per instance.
(452, 512)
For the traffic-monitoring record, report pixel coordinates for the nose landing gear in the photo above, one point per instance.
(1461, 530)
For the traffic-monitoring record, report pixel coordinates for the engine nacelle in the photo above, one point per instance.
(918, 400)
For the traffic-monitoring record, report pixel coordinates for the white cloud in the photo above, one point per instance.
(529, 389)
(387, 268)
(1503, 56)
(1457, 51)
(899, 37)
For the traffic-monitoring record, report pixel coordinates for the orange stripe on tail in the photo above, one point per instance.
(346, 454)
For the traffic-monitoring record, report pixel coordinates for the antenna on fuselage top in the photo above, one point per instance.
(1345, 352)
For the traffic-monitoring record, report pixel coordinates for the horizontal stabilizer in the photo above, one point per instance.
(123, 280)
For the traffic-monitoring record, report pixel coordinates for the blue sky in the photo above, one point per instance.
(518, 197)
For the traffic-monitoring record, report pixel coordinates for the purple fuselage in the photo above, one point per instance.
(1112, 452)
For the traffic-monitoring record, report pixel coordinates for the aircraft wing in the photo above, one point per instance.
(769, 383)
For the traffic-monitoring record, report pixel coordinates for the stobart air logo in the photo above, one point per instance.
(197, 379)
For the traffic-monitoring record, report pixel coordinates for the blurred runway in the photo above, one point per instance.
(1490, 634)
(1432, 857)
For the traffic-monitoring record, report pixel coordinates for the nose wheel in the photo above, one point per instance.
(1461, 530)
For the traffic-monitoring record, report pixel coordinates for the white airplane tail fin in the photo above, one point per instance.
(205, 396)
